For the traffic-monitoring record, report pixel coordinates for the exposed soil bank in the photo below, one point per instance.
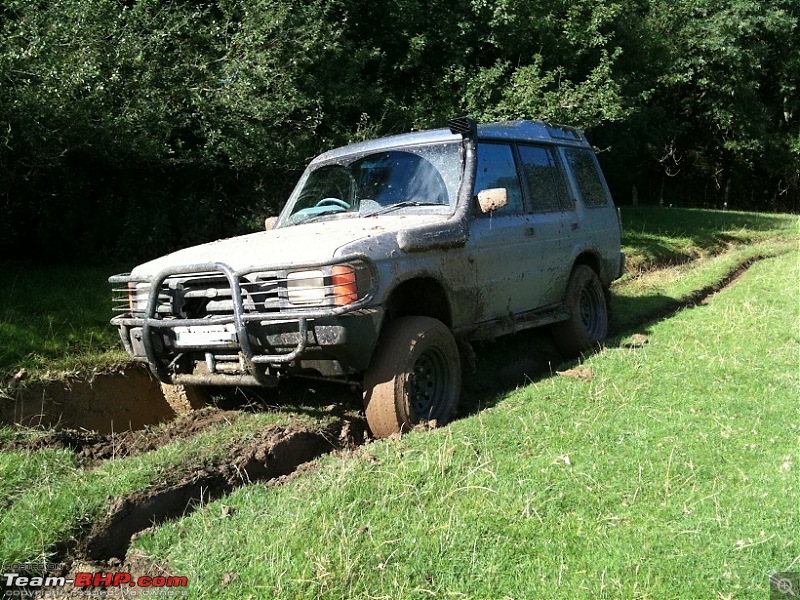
(92, 447)
(118, 401)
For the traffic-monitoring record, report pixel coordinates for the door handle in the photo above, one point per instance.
(574, 225)
(530, 232)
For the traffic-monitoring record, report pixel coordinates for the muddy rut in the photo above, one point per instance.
(270, 456)
(91, 447)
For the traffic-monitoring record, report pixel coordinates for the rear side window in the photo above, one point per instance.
(496, 169)
(546, 185)
(584, 167)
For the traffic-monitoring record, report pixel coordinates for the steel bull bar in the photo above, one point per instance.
(152, 323)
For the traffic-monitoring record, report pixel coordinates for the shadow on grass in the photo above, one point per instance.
(658, 237)
(527, 357)
(704, 228)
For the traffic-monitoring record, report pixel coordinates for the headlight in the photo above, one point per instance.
(306, 287)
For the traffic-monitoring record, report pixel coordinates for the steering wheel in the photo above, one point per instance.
(334, 202)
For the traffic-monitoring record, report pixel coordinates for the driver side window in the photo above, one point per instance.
(331, 181)
(496, 169)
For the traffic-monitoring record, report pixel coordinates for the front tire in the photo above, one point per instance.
(588, 323)
(414, 377)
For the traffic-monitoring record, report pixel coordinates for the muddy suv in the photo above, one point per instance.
(388, 257)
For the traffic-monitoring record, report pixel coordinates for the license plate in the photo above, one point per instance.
(205, 335)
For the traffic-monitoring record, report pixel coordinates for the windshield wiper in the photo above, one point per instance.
(403, 204)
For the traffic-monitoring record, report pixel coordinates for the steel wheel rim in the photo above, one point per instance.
(428, 385)
(591, 310)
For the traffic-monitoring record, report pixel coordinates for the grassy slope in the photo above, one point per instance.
(45, 497)
(673, 473)
(55, 319)
(657, 237)
(47, 509)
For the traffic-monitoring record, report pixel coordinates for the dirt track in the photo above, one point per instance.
(115, 401)
(92, 446)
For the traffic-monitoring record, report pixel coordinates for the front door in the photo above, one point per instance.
(500, 245)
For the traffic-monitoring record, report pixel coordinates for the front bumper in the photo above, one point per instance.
(246, 346)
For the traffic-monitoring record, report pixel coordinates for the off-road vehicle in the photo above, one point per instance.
(389, 255)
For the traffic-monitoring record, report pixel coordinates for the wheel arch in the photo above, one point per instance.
(592, 260)
(422, 296)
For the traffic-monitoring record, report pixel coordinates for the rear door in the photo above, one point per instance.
(599, 219)
(554, 220)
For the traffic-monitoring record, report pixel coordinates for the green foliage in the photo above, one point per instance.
(722, 101)
(554, 61)
(133, 128)
(530, 92)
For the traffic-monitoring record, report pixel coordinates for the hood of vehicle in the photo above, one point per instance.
(300, 244)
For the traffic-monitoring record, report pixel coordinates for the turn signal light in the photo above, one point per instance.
(138, 295)
(343, 279)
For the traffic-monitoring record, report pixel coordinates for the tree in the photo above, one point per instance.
(729, 90)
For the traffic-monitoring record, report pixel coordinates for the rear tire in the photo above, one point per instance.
(414, 377)
(588, 323)
(185, 398)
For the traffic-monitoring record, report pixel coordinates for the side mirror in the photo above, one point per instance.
(269, 223)
(492, 199)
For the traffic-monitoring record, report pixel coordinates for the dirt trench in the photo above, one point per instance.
(272, 457)
(127, 399)
(92, 447)
(275, 454)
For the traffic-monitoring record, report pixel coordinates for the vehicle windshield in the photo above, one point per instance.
(419, 179)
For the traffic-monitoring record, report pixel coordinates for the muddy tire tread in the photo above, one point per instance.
(570, 336)
(183, 399)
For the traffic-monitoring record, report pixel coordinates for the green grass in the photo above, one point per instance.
(672, 474)
(636, 298)
(47, 498)
(20, 470)
(659, 237)
(55, 319)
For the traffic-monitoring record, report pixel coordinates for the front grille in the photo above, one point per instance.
(200, 296)
(207, 294)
